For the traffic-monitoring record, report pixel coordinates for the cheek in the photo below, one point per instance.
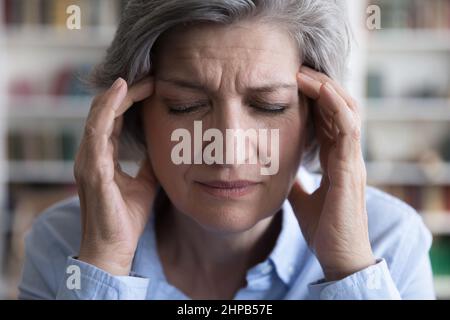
(158, 128)
(292, 139)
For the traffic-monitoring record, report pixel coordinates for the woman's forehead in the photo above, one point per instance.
(245, 42)
(237, 57)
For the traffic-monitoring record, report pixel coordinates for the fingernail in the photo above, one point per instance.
(306, 77)
(117, 84)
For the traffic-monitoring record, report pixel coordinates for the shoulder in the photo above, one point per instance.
(59, 225)
(388, 214)
(397, 232)
(54, 236)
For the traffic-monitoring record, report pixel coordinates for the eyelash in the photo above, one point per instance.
(270, 108)
(267, 108)
(184, 109)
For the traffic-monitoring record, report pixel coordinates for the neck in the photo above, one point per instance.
(184, 243)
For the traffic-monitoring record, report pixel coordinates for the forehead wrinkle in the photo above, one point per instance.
(264, 88)
(218, 76)
(233, 67)
(246, 48)
(221, 53)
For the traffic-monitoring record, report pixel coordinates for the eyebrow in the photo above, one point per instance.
(267, 88)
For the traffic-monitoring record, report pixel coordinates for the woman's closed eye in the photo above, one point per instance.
(257, 106)
(186, 108)
(268, 108)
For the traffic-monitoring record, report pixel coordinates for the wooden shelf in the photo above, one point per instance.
(410, 40)
(407, 173)
(398, 109)
(48, 107)
(49, 171)
(51, 37)
(437, 222)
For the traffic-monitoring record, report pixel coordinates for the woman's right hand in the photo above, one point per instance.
(115, 207)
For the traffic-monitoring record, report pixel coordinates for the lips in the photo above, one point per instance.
(228, 189)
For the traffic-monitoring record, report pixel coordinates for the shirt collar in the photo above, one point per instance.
(291, 248)
(146, 261)
(288, 248)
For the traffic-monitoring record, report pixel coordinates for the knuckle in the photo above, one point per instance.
(76, 173)
(89, 130)
(101, 170)
(353, 103)
(77, 165)
(355, 132)
(90, 169)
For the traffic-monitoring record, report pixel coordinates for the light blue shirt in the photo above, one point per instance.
(399, 240)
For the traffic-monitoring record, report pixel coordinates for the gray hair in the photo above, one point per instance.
(320, 27)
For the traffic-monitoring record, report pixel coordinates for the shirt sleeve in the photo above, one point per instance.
(50, 270)
(371, 283)
(87, 282)
(404, 272)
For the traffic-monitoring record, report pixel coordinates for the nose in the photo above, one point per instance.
(240, 136)
(228, 115)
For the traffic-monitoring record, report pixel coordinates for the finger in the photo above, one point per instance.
(312, 88)
(98, 121)
(324, 79)
(331, 103)
(113, 103)
(138, 92)
(323, 124)
(309, 86)
(342, 116)
(118, 125)
(115, 137)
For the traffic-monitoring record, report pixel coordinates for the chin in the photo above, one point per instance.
(229, 218)
(224, 218)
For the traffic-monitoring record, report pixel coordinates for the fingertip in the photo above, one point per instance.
(118, 84)
(309, 86)
(328, 90)
(304, 77)
(306, 69)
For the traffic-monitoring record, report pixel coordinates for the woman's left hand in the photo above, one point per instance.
(333, 219)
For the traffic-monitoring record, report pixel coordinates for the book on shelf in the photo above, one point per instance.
(429, 199)
(25, 204)
(97, 13)
(67, 80)
(414, 14)
(48, 144)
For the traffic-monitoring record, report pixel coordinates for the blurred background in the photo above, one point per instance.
(400, 74)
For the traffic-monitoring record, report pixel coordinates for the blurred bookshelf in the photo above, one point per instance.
(407, 116)
(43, 105)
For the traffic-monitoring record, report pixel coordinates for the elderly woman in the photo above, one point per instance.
(215, 230)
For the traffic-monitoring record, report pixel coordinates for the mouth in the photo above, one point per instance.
(228, 189)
